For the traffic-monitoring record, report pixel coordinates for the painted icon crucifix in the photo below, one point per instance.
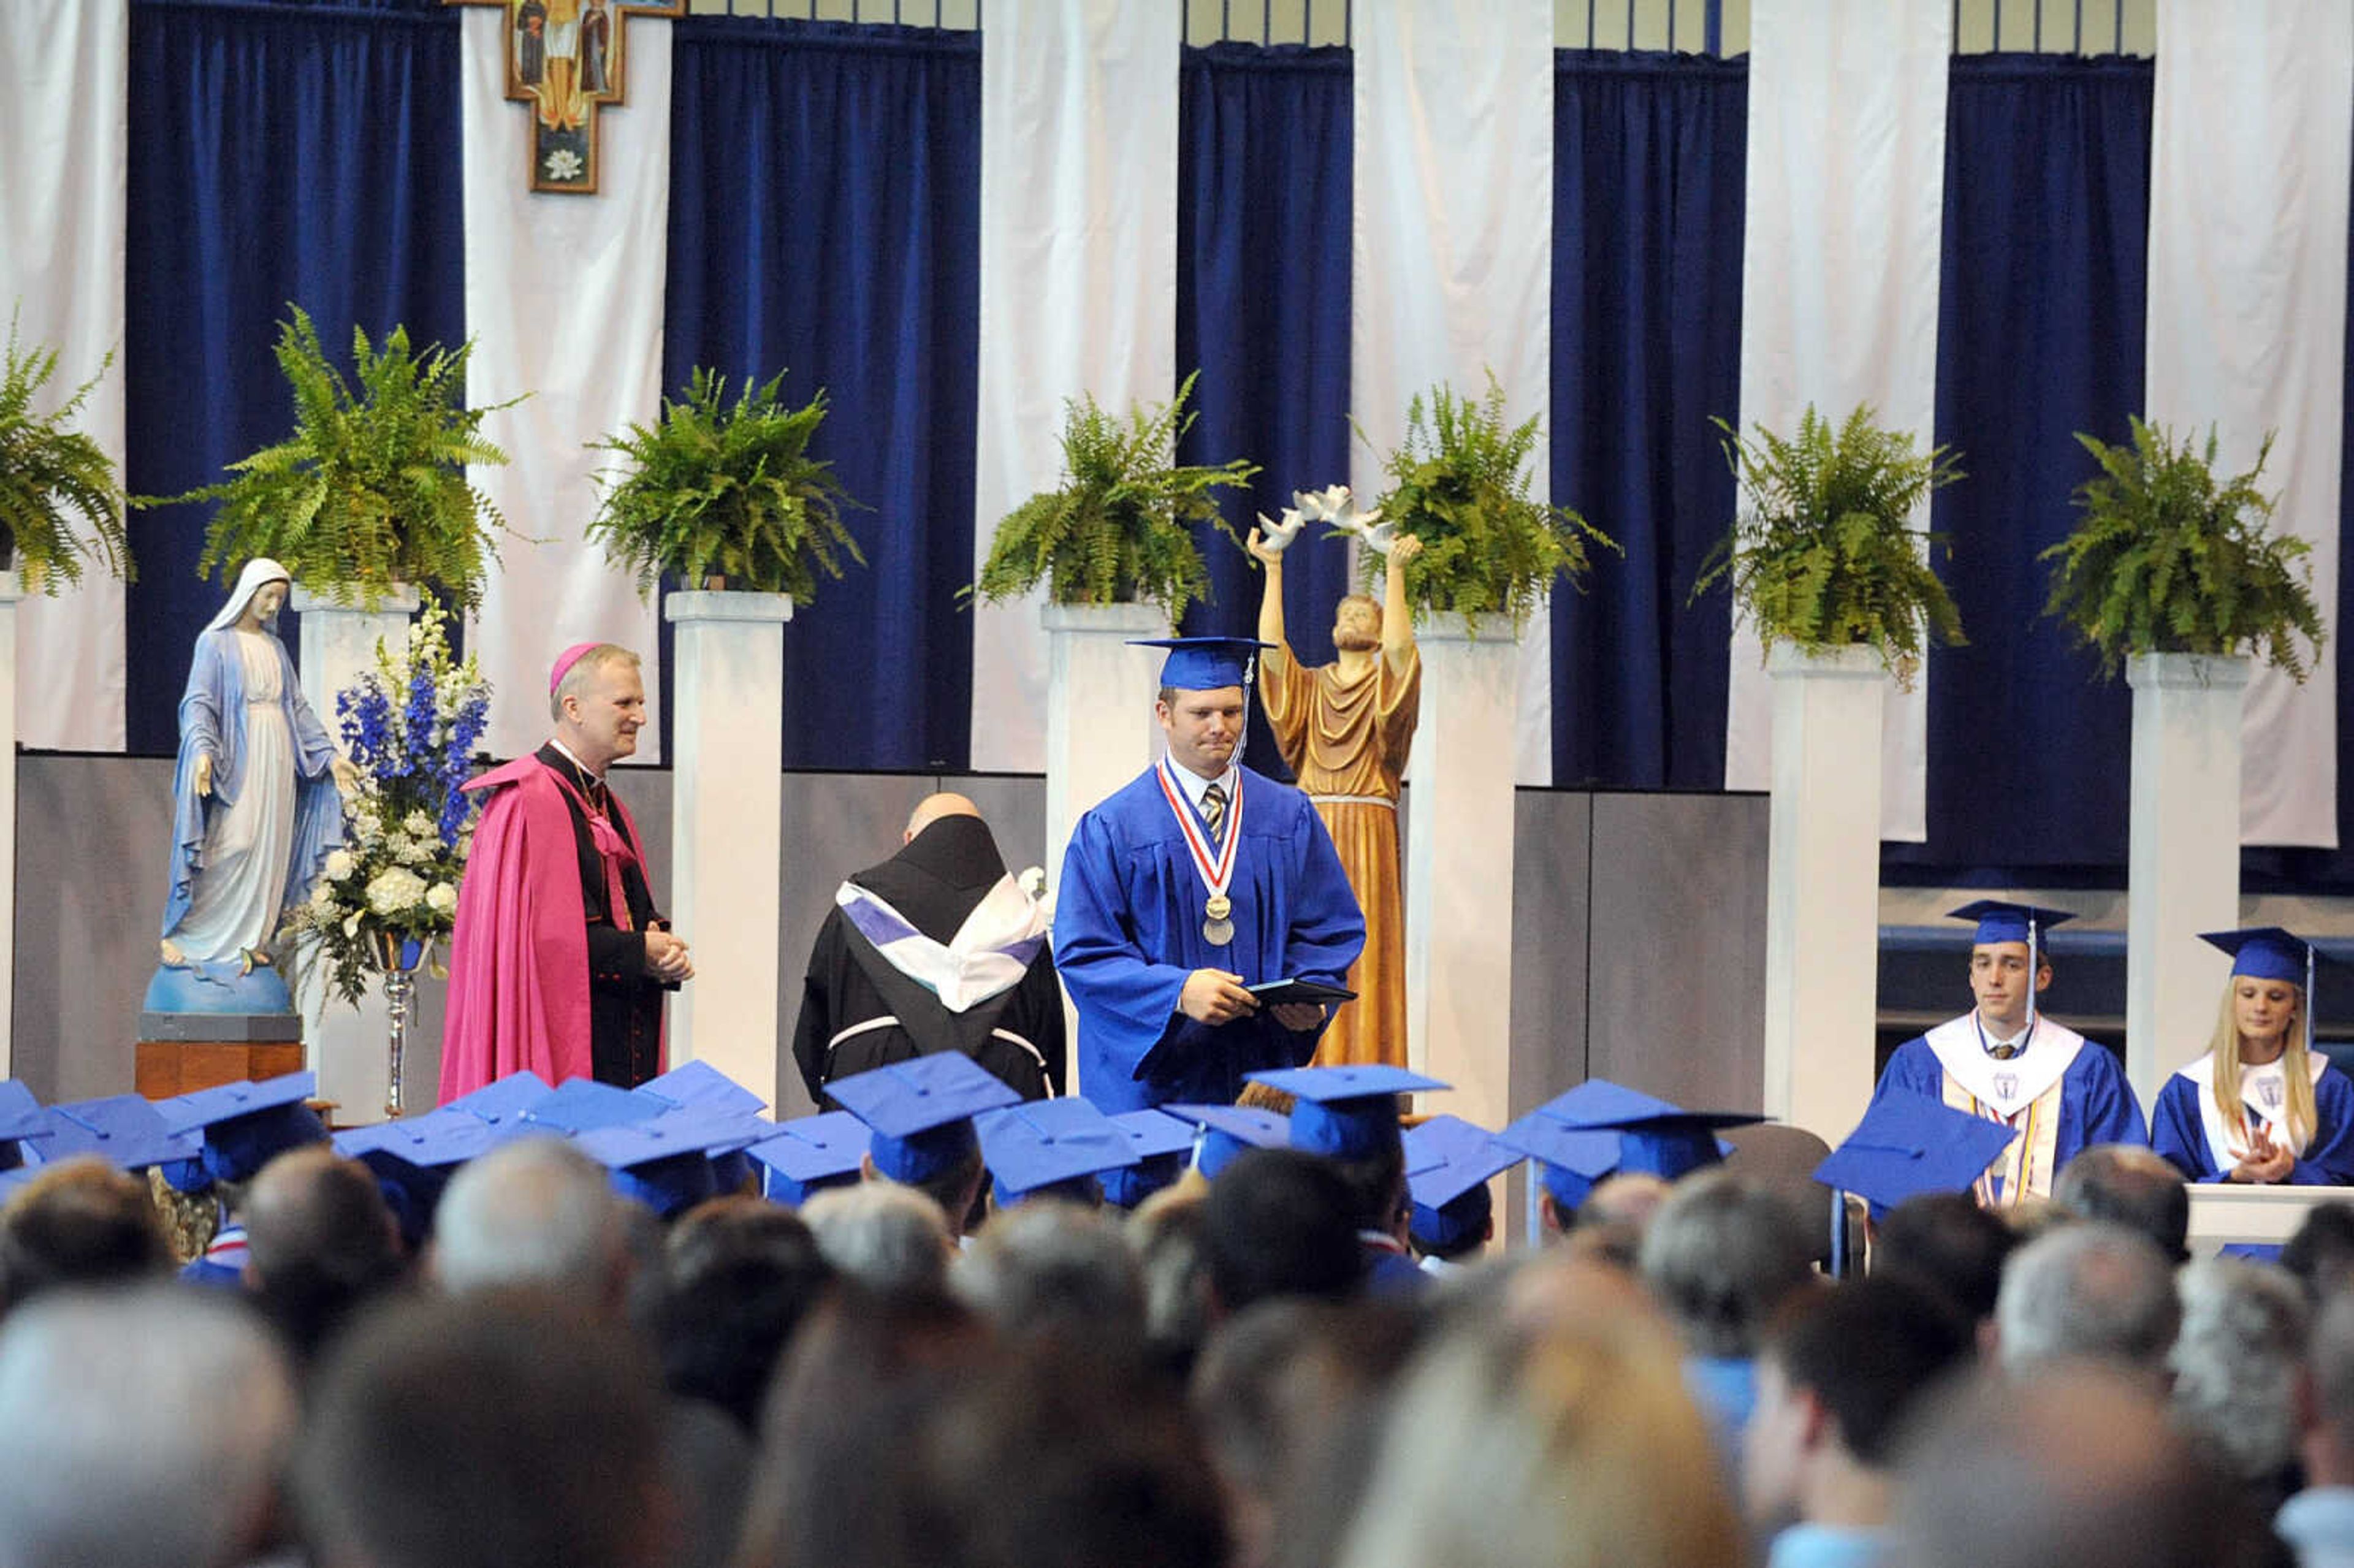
(564, 58)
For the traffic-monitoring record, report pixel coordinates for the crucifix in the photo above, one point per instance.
(564, 58)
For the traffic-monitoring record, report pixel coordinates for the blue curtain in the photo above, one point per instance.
(825, 195)
(2038, 336)
(1263, 213)
(1650, 152)
(303, 154)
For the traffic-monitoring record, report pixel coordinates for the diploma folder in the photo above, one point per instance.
(1274, 994)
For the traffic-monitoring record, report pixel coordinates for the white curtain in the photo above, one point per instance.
(1451, 258)
(1839, 294)
(2249, 168)
(1078, 285)
(64, 140)
(564, 300)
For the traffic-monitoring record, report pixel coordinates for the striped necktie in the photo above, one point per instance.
(1214, 810)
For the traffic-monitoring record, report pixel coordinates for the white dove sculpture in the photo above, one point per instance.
(1278, 536)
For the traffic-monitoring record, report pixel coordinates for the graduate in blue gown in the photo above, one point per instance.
(2261, 1106)
(2005, 1061)
(1186, 886)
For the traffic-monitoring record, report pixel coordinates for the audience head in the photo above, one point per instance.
(1946, 1243)
(2126, 1184)
(1608, 1225)
(1167, 1233)
(489, 1430)
(739, 1276)
(1723, 1255)
(140, 1426)
(1840, 1370)
(2321, 1253)
(884, 1235)
(320, 1242)
(2237, 1363)
(2075, 1465)
(78, 1221)
(1280, 1223)
(1052, 1270)
(2326, 1403)
(2087, 1291)
(534, 1213)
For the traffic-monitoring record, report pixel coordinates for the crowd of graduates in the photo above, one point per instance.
(584, 1326)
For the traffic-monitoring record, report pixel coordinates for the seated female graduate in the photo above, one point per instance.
(2261, 1106)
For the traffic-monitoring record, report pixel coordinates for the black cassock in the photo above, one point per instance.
(625, 1002)
(935, 882)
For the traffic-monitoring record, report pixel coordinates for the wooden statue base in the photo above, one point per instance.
(169, 1067)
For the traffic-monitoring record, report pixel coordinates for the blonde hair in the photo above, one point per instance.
(2224, 1049)
(1574, 1446)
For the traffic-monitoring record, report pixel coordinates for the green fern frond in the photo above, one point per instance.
(51, 474)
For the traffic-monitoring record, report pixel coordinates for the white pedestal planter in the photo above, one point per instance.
(1823, 900)
(1101, 731)
(2183, 866)
(727, 828)
(344, 1045)
(1458, 866)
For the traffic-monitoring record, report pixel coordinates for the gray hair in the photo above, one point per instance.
(2130, 1185)
(2237, 1360)
(885, 1237)
(1722, 1254)
(1045, 1266)
(584, 667)
(2332, 1357)
(533, 1213)
(2087, 1291)
(139, 1426)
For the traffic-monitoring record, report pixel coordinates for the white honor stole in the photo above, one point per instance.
(2022, 1092)
(2263, 1097)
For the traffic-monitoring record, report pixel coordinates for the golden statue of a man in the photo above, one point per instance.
(1346, 729)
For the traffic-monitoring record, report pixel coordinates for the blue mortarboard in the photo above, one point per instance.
(413, 1159)
(810, 1154)
(2001, 922)
(584, 1105)
(1227, 1130)
(1161, 1143)
(1349, 1113)
(21, 1118)
(1042, 1144)
(1570, 1160)
(1448, 1163)
(126, 1130)
(1907, 1144)
(504, 1100)
(1205, 663)
(920, 1111)
(666, 1163)
(1655, 1138)
(248, 1125)
(699, 1083)
(2268, 952)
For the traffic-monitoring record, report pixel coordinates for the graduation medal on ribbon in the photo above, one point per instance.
(1216, 873)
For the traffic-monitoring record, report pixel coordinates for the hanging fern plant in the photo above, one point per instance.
(369, 490)
(1120, 529)
(710, 491)
(2167, 558)
(51, 472)
(1460, 482)
(1824, 554)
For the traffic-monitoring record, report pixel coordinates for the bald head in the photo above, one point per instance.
(932, 808)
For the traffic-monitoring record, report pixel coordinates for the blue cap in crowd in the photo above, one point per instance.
(666, 1163)
(21, 1118)
(1909, 1144)
(248, 1125)
(1226, 1130)
(505, 1099)
(584, 1105)
(920, 1111)
(810, 1154)
(124, 1130)
(1347, 1113)
(1161, 1143)
(1448, 1164)
(1056, 1147)
(698, 1082)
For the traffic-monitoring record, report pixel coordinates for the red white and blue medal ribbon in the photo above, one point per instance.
(1217, 870)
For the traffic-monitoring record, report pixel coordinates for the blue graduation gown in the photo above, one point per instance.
(2178, 1132)
(2096, 1104)
(1128, 932)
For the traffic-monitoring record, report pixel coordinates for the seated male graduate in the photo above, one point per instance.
(245, 1126)
(1051, 1149)
(1350, 1116)
(1448, 1164)
(1189, 886)
(2004, 1061)
(920, 1114)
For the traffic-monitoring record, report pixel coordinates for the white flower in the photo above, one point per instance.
(441, 898)
(339, 866)
(351, 926)
(322, 897)
(563, 165)
(421, 823)
(396, 890)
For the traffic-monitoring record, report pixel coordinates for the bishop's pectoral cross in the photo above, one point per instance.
(564, 58)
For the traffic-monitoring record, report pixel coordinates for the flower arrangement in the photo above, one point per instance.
(410, 726)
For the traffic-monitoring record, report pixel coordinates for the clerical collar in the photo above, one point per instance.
(1194, 785)
(588, 774)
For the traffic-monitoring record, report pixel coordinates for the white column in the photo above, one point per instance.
(11, 590)
(1100, 732)
(344, 1045)
(1458, 869)
(2182, 871)
(1822, 892)
(727, 827)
